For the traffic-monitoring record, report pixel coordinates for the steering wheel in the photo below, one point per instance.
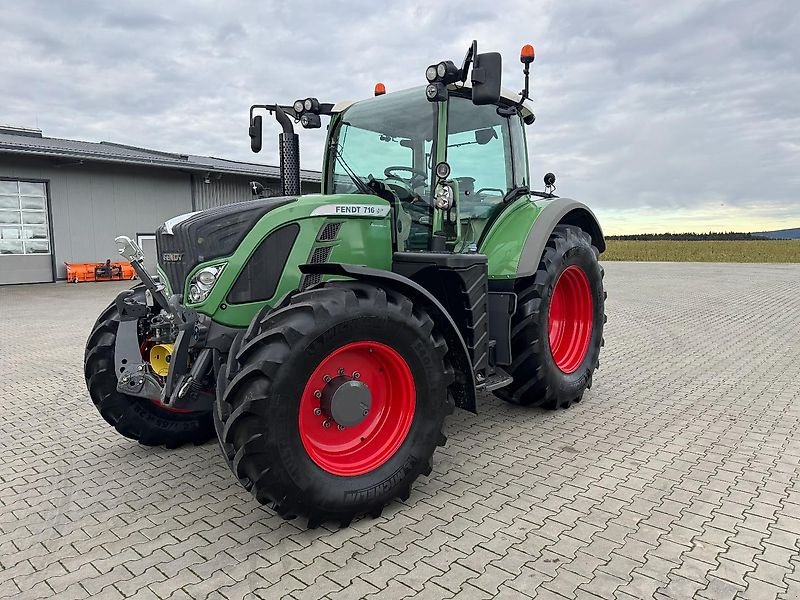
(389, 172)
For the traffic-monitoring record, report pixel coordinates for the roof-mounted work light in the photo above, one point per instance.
(439, 76)
(307, 112)
(310, 120)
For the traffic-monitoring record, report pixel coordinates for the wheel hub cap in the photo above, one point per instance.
(346, 401)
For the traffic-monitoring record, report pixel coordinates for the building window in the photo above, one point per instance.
(23, 218)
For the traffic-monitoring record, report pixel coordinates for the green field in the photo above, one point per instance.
(745, 251)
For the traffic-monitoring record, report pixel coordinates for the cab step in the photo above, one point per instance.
(496, 381)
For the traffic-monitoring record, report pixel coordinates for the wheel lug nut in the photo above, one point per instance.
(317, 394)
(341, 372)
(356, 375)
(326, 423)
(326, 378)
(340, 427)
(366, 412)
(318, 411)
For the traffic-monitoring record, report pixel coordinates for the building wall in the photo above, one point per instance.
(226, 189)
(91, 204)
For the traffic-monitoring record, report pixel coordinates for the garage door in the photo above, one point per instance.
(24, 233)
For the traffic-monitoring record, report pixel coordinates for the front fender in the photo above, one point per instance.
(463, 389)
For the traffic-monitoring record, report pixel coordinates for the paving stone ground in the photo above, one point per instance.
(676, 477)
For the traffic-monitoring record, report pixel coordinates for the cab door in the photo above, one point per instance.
(485, 148)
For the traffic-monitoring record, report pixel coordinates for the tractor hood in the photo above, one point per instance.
(185, 241)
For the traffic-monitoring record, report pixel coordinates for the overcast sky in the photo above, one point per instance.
(667, 116)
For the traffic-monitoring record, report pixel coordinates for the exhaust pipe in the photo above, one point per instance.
(289, 148)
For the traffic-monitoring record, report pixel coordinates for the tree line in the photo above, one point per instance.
(690, 237)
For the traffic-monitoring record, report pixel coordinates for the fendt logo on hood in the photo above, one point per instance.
(172, 256)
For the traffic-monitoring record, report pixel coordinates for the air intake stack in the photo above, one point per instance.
(289, 148)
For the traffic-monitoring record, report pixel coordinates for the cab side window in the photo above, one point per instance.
(479, 154)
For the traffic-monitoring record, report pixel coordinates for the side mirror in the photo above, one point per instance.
(255, 134)
(487, 72)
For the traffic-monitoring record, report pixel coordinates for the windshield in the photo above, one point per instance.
(389, 138)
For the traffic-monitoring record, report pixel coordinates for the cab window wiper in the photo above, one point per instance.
(361, 186)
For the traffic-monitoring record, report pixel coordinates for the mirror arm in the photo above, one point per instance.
(472, 52)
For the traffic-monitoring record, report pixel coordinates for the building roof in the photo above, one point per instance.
(30, 142)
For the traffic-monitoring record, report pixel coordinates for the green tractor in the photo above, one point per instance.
(325, 338)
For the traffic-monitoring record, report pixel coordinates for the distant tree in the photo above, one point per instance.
(689, 236)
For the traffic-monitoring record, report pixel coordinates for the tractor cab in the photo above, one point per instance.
(448, 157)
(401, 146)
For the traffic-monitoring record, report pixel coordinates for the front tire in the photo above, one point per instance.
(557, 330)
(136, 418)
(335, 403)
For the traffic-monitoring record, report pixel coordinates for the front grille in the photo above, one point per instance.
(328, 232)
(209, 234)
(169, 246)
(318, 255)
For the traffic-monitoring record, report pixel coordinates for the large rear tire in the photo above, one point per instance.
(557, 330)
(286, 420)
(136, 418)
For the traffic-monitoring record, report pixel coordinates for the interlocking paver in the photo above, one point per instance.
(677, 477)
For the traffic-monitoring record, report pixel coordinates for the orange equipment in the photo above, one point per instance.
(106, 271)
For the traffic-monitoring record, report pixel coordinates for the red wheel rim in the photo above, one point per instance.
(570, 320)
(363, 447)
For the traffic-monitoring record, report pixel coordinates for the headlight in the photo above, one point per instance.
(443, 197)
(195, 295)
(298, 106)
(202, 282)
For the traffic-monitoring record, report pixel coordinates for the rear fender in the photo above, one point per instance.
(561, 211)
(463, 388)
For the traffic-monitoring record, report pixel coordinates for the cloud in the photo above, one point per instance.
(679, 115)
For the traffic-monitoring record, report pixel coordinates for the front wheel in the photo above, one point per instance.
(335, 403)
(557, 330)
(147, 421)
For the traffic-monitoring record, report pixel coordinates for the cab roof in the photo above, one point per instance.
(505, 94)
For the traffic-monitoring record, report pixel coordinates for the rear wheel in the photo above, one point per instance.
(557, 330)
(335, 403)
(146, 421)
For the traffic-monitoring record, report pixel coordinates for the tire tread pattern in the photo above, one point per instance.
(530, 386)
(252, 365)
